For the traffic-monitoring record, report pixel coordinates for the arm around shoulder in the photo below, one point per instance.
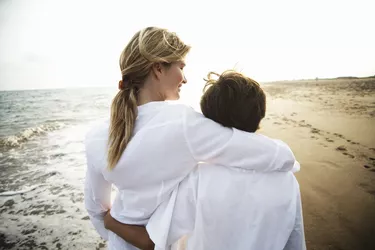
(213, 143)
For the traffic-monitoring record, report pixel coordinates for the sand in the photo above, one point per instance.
(329, 124)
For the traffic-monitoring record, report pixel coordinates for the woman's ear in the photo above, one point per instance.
(157, 70)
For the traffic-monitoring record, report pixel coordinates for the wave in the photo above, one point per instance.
(11, 193)
(17, 140)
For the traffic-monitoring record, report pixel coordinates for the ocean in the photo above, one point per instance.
(42, 164)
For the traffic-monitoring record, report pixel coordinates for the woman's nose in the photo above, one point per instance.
(184, 80)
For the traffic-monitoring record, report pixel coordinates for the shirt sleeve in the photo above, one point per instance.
(175, 218)
(97, 193)
(184, 214)
(296, 239)
(213, 143)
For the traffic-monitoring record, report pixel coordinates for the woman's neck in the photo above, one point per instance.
(148, 94)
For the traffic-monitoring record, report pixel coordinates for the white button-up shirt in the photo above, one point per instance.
(221, 208)
(169, 141)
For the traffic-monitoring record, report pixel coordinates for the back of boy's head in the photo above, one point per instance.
(234, 100)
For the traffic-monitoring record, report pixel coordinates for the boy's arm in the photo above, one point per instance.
(135, 235)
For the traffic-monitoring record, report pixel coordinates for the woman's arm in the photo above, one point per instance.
(135, 235)
(97, 193)
(213, 143)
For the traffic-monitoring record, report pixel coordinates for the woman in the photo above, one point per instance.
(163, 141)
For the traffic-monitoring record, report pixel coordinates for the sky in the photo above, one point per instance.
(58, 44)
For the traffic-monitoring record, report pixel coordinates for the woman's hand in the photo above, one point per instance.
(109, 221)
(133, 234)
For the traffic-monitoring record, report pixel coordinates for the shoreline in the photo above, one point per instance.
(330, 127)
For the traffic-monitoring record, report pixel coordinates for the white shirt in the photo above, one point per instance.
(168, 142)
(223, 208)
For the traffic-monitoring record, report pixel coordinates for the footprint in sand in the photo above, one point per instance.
(347, 154)
(372, 161)
(338, 135)
(329, 140)
(369, 168)
(315, 131)
(344, 151)
(285, 120)
(305, 125)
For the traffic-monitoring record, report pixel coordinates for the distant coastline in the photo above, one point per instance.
(325, 79)
(349, 77)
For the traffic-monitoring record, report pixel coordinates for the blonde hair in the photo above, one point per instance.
(147, 47)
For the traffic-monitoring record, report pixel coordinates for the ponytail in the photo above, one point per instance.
(123, 115)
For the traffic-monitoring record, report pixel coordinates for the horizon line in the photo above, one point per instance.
(263, 82)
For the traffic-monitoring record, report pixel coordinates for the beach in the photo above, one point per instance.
(329, 124)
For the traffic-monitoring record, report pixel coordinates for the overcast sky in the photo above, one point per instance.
(52, 44)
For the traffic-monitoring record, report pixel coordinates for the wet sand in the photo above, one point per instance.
(51, 216)
(330, 125)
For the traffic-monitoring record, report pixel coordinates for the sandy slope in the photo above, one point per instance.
(330, 125)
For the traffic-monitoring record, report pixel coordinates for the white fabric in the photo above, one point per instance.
(168, 142)
(224, 208)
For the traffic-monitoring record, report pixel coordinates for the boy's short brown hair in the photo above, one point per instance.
(234, 100)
